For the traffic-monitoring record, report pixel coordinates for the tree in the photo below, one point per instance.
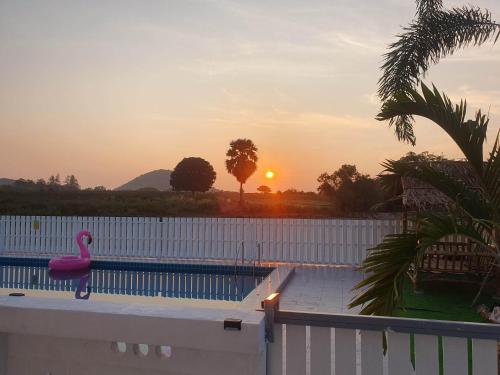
(54, 180)
(423, 157)
(435, 33)
(472, 213)
(41, 183)
(71, 183)
(264, 189)
(241, 161)
(193, 174)
(350, 190)
(325, 187)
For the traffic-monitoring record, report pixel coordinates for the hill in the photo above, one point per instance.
(6, 181)
(159, 179)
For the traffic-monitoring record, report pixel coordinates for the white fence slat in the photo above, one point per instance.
(2, 233)
(484, 357)
(330, 241)
(455, 356)
(345, 351)
(398, 352)
(320, 339)
(426, 355)
(295, 349)
(371, 352)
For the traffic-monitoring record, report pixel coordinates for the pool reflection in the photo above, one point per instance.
(229, 287)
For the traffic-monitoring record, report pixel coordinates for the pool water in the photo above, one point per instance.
(193, 281)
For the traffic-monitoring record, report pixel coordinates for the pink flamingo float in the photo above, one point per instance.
(74, 262)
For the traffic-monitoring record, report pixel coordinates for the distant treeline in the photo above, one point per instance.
(53, 183)
(105, 203)
(343, 193)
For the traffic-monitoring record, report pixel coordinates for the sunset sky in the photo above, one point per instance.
(108, 90)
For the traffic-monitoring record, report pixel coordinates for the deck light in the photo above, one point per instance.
(231, 324)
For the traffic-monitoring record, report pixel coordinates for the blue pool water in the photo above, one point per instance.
(194, 281)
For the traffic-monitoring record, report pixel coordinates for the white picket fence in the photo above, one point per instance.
(347, 351)
(304, 343)
(336, 241)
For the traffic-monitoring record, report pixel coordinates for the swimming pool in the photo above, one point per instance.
(191, 281)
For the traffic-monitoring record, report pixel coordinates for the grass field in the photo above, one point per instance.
(156, 203)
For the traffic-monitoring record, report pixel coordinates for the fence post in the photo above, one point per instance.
(270, 306)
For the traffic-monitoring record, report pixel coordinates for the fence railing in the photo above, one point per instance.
(335, 241)
(306, 343)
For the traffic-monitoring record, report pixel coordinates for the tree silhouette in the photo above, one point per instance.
(54, 180)
(241, 161)
(192, 174)
(71, 183)
(264, 189)
(350, 190)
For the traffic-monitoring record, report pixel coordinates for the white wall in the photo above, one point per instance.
(60, 337)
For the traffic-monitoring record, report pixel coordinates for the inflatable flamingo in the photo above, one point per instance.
(82, 276)
(74, 262)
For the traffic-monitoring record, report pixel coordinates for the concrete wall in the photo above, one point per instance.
(59, 337)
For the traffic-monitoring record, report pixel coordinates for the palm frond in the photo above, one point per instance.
(434, 227)
(435, 34)
(468, 135)
(427, 6)
(390, 178)
(386, 265)
(492, 176)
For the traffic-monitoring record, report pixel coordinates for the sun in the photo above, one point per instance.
(269, 175)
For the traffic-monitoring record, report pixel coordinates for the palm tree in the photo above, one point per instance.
(241, 161)
(435, 33)
(472, 213)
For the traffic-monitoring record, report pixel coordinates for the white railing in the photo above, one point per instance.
(336, 241)
(314, 344)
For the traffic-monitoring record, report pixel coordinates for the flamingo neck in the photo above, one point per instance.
(84, 252)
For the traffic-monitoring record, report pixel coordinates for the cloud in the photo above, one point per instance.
(486, 100)
(277, 118)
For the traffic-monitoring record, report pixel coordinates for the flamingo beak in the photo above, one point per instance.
(89, 240)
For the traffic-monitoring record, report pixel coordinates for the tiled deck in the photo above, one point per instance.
(320, 290)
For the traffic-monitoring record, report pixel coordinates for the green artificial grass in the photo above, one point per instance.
(442, 301)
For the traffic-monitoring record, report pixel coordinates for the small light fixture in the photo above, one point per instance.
(231, 324)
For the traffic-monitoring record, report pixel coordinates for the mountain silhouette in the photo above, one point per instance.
(6, 181)
(159, 180)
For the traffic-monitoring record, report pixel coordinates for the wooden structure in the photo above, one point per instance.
(455, 255)
(457, 258)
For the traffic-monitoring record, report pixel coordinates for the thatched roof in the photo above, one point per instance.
(419, 196)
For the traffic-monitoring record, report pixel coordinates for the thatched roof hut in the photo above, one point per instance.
(419, 196)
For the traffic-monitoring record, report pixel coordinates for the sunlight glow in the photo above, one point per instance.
(269, 175)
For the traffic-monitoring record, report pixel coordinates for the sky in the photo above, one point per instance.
(108, 90)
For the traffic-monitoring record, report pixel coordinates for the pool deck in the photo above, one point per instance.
(321, 289)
